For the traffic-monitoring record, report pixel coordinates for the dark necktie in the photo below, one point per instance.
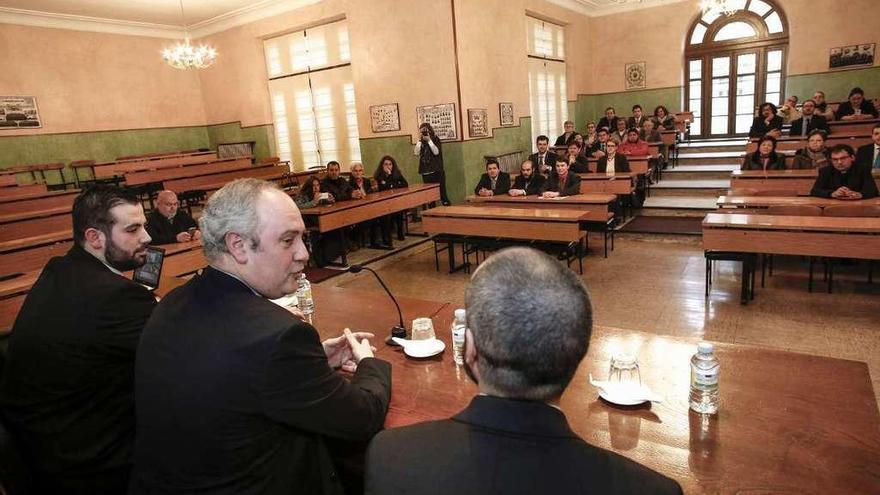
(806, 126)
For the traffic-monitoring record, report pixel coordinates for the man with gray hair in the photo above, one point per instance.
(234, 394)
(529, 321)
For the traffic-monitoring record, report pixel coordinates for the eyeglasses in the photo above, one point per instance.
(841, 159)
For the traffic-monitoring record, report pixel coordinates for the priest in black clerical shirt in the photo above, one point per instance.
(843, 179)
(168, 224)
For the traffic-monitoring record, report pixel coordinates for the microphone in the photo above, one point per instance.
(398, 331)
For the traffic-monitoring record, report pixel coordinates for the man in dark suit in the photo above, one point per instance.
(235, 394)
(638, 118)
(528, 182)
(609, 121)
(565, 137)
(168, 224)
(597, 150)
(513, 438)
(494, 181)
(843, 179)
(856, 108)
(869, 154)
(67, 393)
(544, 160)
(334, 184)
(562, 183)
(613, 162)
(577, 162)
(808, 122)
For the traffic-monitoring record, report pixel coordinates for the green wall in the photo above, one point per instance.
(836, 85)
(262, 135)
(592, 107)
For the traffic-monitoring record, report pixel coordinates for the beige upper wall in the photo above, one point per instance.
(88, 81)
(816, 26)
(579, 55)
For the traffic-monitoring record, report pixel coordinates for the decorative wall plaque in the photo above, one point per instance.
(384, 118)
(442, 119)
(478, 122)
(18, 112)
(505, 112)
(636, 75)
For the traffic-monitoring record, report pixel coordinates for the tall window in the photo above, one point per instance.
(546, 54)
(312, 96)
(733, 64)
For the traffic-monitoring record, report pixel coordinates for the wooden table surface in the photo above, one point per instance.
(354, 211)
(594, 206)
(38, 192)
(767, 201)
(547, 224)
(609, 184)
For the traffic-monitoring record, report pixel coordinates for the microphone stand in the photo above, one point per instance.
(399, 330)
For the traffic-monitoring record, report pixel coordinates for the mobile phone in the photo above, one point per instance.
(191, 230)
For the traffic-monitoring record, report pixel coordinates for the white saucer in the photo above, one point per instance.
(421, 348)
(620, 400)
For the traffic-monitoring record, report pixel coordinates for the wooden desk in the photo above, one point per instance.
(37, 193)
(796, 180)
(544, 224)
(171, 173)
(852, 127)
(763, 202)
(8, 180)
(620, 184)
(37, 207)
(795, 143)
(351, 212)
(637, 165)
(595, 207)
(216, 181)
(34, 227)
(32, 259)
(837, 237)
(21, 192)
(110, 169)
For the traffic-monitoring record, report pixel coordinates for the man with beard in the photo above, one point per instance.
(529, 323)
(67, 393)
(528, 182)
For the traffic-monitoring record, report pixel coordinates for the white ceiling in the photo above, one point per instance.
(163, 18)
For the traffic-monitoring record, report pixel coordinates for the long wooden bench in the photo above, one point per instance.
(38, 207)
(800, 181)
(216, 181)
(796, 143)
(166, 174)
(852, 127)
(8, 180)
(21, 192)
(111, 169)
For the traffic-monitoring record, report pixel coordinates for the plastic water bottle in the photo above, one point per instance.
(304, 297)
(459, 326)
(704, 379)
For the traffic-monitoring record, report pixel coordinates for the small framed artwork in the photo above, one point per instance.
(17, 112)
(846, 57)
(636, 75)
(442, 120)
(505, 112)
(478, 122)
(384, 118)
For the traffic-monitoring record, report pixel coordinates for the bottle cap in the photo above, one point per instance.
(705, 347)
(460, 314)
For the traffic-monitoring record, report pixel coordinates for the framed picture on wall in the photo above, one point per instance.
(442, 120)
(636, 75)
(845, 57)
(18, 112)
(385, 118)
(505, 113)
(478, 122)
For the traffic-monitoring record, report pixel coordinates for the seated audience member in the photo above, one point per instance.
(649, 133)
(788, 111)
(808, 122)
(598, 148)
(638, 118)
(328, 246)
(619, 135)
(609, 121)
(844, 179)
(562, 183)
(577, 161)
(662, 120)
(244, 399)
(528, 182)
(513, 438)
(634, 146)
(765, 157)
(579, 139)
(822, 107)
(168, 224)
(494, 181)
(564, 138)
(67, 394)
(310, 194)
(359, 185)
(613, 162)
(869, 154)
(815, 154)
(544, 160)
(857, 108)
(767, 122)
(388, 176)
(590, 137)
(334, 184)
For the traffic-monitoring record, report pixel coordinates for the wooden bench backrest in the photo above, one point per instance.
(32, 259)
(34, 227)
(796, 144)
(36, 204)
(216, 181)
(103, 170)
(166, 174)
(14, 192)
(8, 181)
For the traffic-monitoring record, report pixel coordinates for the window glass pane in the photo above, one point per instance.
(720, 66)
(735, 30)
(694, 89)
(737, 4)
(719, 106)
(774, 60)
(745, 105)
(745, 85)
(743, 123)
(759, 7)
(710, 16)
(719, 125)
(773, 80)
(720, 87)
(698, 34)
(695, 69)
(773, 98)
(695, 126)
(774, 23)
(694, 106)
(344, 49)
(745, 64)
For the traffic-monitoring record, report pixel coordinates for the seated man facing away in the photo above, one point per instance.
(494, 181)
(337, 186)
(808, 122)
(562, 183)
(530, 321)
(528, 182)
(843, 179)
(235, 394)
(543, 161)
(168, 224)
(869, 154)
(67, 393)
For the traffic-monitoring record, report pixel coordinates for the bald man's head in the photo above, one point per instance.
(167, 204)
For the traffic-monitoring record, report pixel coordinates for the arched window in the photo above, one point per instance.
(733, 63)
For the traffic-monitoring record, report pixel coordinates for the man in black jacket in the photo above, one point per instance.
(544, 160)
(563, 183)
(528, 182)
(168, 224)
(334, 184)
(843, 179)
(494, 181)
(808, 122)
(522, 308)
(869, 154)
(67, 392)
(234, 394)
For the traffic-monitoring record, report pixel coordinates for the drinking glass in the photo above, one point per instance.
(624, 368)
(422, 329)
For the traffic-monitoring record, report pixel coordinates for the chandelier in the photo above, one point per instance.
(184, 55)
(726, 7)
